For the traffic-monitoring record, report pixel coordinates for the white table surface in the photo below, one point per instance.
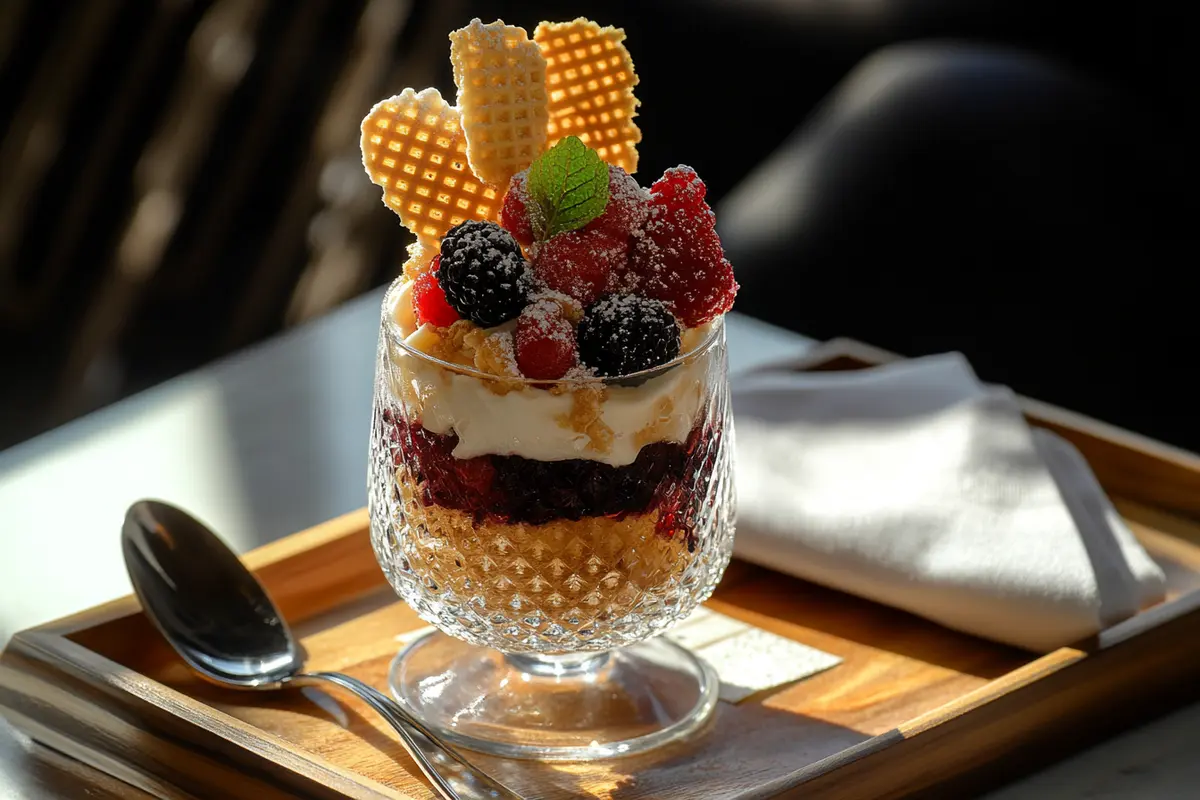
(274, 440)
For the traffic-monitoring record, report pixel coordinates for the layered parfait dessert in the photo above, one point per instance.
(550, 462)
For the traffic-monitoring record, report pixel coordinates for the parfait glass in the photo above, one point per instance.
(550, 543)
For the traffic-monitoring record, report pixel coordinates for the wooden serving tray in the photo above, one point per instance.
(914, 708)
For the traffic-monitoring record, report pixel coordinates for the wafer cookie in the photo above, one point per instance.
(501, 79)
(413, 146)
(589, 83)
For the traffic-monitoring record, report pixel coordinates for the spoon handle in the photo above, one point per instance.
(453, 776)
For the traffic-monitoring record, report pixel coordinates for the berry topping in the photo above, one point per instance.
(578, 263)
(628, 206)
(623, 334)
(483, 273)
(429, 301)
(677, 256)
(514, 214)
(545, 342)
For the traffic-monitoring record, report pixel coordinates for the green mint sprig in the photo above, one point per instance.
(568, 187)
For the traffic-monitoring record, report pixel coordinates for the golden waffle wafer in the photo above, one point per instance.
(590, 80)
(413, 146)
(501, 78)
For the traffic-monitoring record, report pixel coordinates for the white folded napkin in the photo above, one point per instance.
(915, 485)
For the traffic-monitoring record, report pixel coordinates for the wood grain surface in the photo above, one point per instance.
(914, 709)
(35, 772)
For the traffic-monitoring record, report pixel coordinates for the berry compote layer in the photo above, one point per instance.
(510, 489)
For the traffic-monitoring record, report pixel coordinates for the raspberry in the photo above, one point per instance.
(545, 342)
(623, 334)
(429, 301)
(628, 206)
(514, 214)
(677, 256)
(483, 273)
(579, 263)
(681, 187)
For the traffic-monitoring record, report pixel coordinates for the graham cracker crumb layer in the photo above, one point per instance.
(563, 572)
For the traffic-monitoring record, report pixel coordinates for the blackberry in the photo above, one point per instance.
(622, 334)
(483, 273)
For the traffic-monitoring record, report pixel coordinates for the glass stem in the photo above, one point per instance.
(566, 665)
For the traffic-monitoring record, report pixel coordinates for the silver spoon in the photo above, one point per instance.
(221, 621)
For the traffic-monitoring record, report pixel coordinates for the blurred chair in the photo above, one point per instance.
(955, 196)
(182, 178)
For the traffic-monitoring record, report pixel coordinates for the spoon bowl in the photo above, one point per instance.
(222, 622)
(214, 612)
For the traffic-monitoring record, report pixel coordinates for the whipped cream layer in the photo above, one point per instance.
(605, 423)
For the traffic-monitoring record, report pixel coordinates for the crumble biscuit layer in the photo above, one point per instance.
(558, 573)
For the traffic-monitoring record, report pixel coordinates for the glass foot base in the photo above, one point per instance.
(555, 708)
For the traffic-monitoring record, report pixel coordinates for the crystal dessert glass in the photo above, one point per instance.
(551, 531)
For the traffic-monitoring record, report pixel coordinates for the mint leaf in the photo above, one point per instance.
(568, 185)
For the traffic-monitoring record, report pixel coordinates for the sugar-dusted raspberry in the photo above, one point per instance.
(545, 341)
(677, 256)
(514, 213)
(628, 206)
(579, 263)
(680, 187)
(429, 301)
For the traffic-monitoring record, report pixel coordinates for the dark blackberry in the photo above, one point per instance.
(622, 334)
(483, 273)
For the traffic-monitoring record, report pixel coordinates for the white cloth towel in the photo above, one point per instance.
(915, 485)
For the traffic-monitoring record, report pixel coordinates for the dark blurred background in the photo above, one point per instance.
(1012, 179)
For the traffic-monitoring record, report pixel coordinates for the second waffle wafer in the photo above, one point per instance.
(589, 81)
(501, 78)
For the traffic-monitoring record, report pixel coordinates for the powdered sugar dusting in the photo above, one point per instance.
(545, 341)
(628, 203)
(502, 343)
(682, 183)
(572, 309)
(581, 373)
(522, 215)
(545, 317)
